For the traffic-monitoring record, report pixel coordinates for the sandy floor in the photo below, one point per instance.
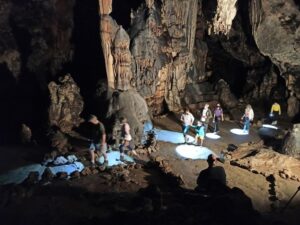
(256, 186)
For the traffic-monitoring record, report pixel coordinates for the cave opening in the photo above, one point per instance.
(121, 11)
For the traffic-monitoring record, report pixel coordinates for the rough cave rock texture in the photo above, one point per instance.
(162, 40)
(66, 104)
(35, 36)
(166, 54)
(131, 105)
(276, 30)
(292, 142)
(266, 162)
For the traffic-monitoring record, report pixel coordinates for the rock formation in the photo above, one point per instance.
(292, 142)
(281, 44)
(66, 104)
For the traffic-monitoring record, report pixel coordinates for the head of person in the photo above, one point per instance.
(123, 119)
(93, 119)
(206, 106)
(211, 160)
(248, 106)
(186, 110)
(218, 105)
(199, 123)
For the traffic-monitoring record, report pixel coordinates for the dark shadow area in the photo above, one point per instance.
(121, 11)
(269, 136)
(8, 88)
(88, 62)
(209, 8)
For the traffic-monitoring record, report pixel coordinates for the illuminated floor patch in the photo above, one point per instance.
(270, 126)
(172, 136)
(239, 131)
(114, 158)
(213, 135)
(18, 175)
(193, 152)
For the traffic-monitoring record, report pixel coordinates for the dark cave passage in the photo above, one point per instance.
(88, 63)
(121, 11)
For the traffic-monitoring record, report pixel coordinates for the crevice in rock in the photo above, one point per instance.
(121, 11)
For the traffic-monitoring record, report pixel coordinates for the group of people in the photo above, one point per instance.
(202, 125)
(98, 137)
(98, 140)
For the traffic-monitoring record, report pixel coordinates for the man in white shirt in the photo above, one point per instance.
(187, 119)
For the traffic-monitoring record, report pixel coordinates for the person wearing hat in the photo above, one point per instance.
(218, 116)
(98, 139)
(125, 138)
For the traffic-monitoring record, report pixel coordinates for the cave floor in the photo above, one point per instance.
(255, 186)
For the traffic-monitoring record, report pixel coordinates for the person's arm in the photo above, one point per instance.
(103, 139)
(272, 108)
(127, 128)
(192, 119)
(279, 109)
(181, 118)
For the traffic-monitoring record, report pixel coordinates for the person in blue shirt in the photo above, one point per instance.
(200, 133)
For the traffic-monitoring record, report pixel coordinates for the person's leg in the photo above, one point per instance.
(92, 152)
(196, 139)
(121, 148)
(247, 125)
(103, 150)
(218, 124)
(201, 141)
(185, 129)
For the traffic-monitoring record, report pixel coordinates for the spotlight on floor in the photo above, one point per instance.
(239, 131)
(270, 126)
(172, 136)
(113, 158)
(213, 136)
(193, 152)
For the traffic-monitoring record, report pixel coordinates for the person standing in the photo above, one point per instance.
(218, 116)
(125, 138)
(276, 112)
(247, 118)
(200, 133)
(187, 120)
(206, 115)
(98, 139)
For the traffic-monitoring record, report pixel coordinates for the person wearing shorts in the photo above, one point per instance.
(187, 120)
(98, 140)
(125, 138)
(200, 133)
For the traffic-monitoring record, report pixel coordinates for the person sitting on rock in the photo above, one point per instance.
(275, 112)
(98, 139)
(187, 119)
(212, 179)
(200, 133)
(247, 118)
(125, 138)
